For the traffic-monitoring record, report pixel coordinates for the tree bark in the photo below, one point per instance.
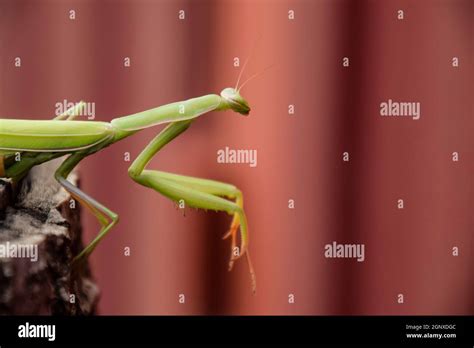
(37, 213)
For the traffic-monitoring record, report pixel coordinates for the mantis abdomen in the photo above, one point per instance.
(50, 135)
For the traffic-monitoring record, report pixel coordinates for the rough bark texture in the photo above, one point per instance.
(36, 213)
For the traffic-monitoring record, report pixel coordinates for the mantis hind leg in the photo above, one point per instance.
(105, 216)
(197, 193)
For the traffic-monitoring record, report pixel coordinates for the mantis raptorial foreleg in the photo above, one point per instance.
(215, 188)
(196, 192)
(105, 216)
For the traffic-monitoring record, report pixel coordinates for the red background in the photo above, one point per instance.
(408, 251)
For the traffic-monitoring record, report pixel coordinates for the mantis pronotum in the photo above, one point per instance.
(44, 140)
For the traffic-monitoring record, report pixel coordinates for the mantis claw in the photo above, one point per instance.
(234, 227)
(252, 273)
(227, 234)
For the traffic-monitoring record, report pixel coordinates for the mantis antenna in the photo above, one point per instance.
(241, 72)
(254, 76)
(247, 60)
(237, 88)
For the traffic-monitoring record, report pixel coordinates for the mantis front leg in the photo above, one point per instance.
(196, 192)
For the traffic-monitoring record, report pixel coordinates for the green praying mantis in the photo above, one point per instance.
(40, 141)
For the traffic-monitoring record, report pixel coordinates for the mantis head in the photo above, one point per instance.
(235, 101)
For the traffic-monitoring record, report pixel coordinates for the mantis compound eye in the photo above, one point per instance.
(235, 101)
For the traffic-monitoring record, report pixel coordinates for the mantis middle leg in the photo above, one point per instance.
(105, 216)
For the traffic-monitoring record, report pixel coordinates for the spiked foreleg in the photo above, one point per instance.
(196, 192)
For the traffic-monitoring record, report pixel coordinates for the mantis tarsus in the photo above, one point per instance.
(44, 140)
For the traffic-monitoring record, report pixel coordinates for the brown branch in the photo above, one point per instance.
(37, 214)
